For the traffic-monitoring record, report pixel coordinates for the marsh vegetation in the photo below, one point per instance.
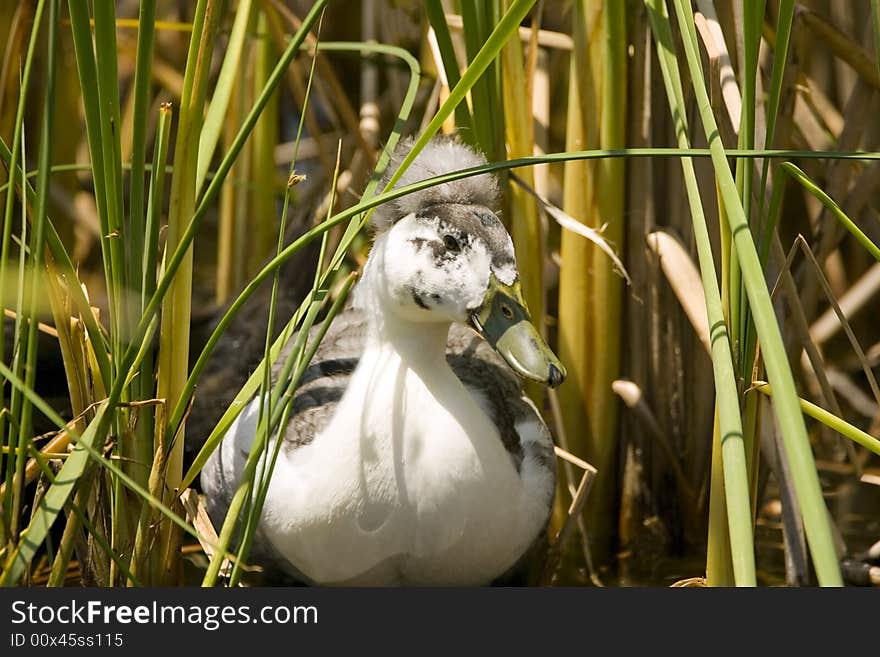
(691, 188)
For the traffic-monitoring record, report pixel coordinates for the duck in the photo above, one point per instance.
(412, 456)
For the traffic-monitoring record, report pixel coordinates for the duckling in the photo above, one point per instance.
(412, 456)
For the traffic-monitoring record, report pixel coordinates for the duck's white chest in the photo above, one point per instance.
(408, 483)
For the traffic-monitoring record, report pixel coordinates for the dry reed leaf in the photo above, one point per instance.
(683, 276)
(842, 45)
(712, 35)
(822, 106)
(801, 243)
(42, 327)
(575, 512)
(546, 38)
(570, 223)
(856, 298)
(631, 394)
(198, 516)
(690, 582)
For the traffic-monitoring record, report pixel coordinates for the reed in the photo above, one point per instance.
(590, 291)
(109, 259)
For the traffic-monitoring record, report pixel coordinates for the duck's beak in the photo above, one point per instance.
(504, 321)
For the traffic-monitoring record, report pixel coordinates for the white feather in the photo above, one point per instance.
(409, 482)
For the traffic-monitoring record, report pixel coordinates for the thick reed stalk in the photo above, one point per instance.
(174, 330)
(590, 301)
(786, 407)
(138, 450)
(528, 235)
(261, 217)
(730, 549)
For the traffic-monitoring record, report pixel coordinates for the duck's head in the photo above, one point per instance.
(443, 255)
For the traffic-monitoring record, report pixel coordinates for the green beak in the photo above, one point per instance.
(505, 323)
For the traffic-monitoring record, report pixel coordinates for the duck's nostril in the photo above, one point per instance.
(555, 377)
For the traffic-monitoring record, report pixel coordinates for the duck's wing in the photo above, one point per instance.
(325, 380)
(314, 402)
(523, 431)
(499, 392)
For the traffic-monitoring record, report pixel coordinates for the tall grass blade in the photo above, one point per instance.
(229, 71)
(96, 132)
(173, 356)
(526, 230)
(805, 181)
(732, 519)
(437, 18)
(10, 512)
(589, 289)
(135, 226)
(831, 421)
(786, 406)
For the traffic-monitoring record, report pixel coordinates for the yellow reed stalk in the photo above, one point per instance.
(528, 236)
(174, 329)
(261, 232)
(590, 300)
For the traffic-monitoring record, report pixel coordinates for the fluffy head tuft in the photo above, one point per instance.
(441, 155)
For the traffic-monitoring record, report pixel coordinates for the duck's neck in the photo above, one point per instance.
(418, 342)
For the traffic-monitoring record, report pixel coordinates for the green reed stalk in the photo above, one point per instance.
(577, 191)
(111, 153)
(730, 540)
(831, 421)
(230, 71)
(589, 289)
(831, 205)
(111, 149)
(11, 512)
(111, 246)
(263, 187)
(17, 438)
(437, 18)
(36, 247)
(774, 96)
(526, 230)
(136, 229)
(476, 18)
(786, 406)
(141, 232)
(753, 13)
(149, 264)
(146, 421)
(173, 356)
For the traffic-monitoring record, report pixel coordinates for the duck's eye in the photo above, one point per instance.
(451, 243)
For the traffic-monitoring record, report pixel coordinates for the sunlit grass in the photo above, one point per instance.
(209, 162)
